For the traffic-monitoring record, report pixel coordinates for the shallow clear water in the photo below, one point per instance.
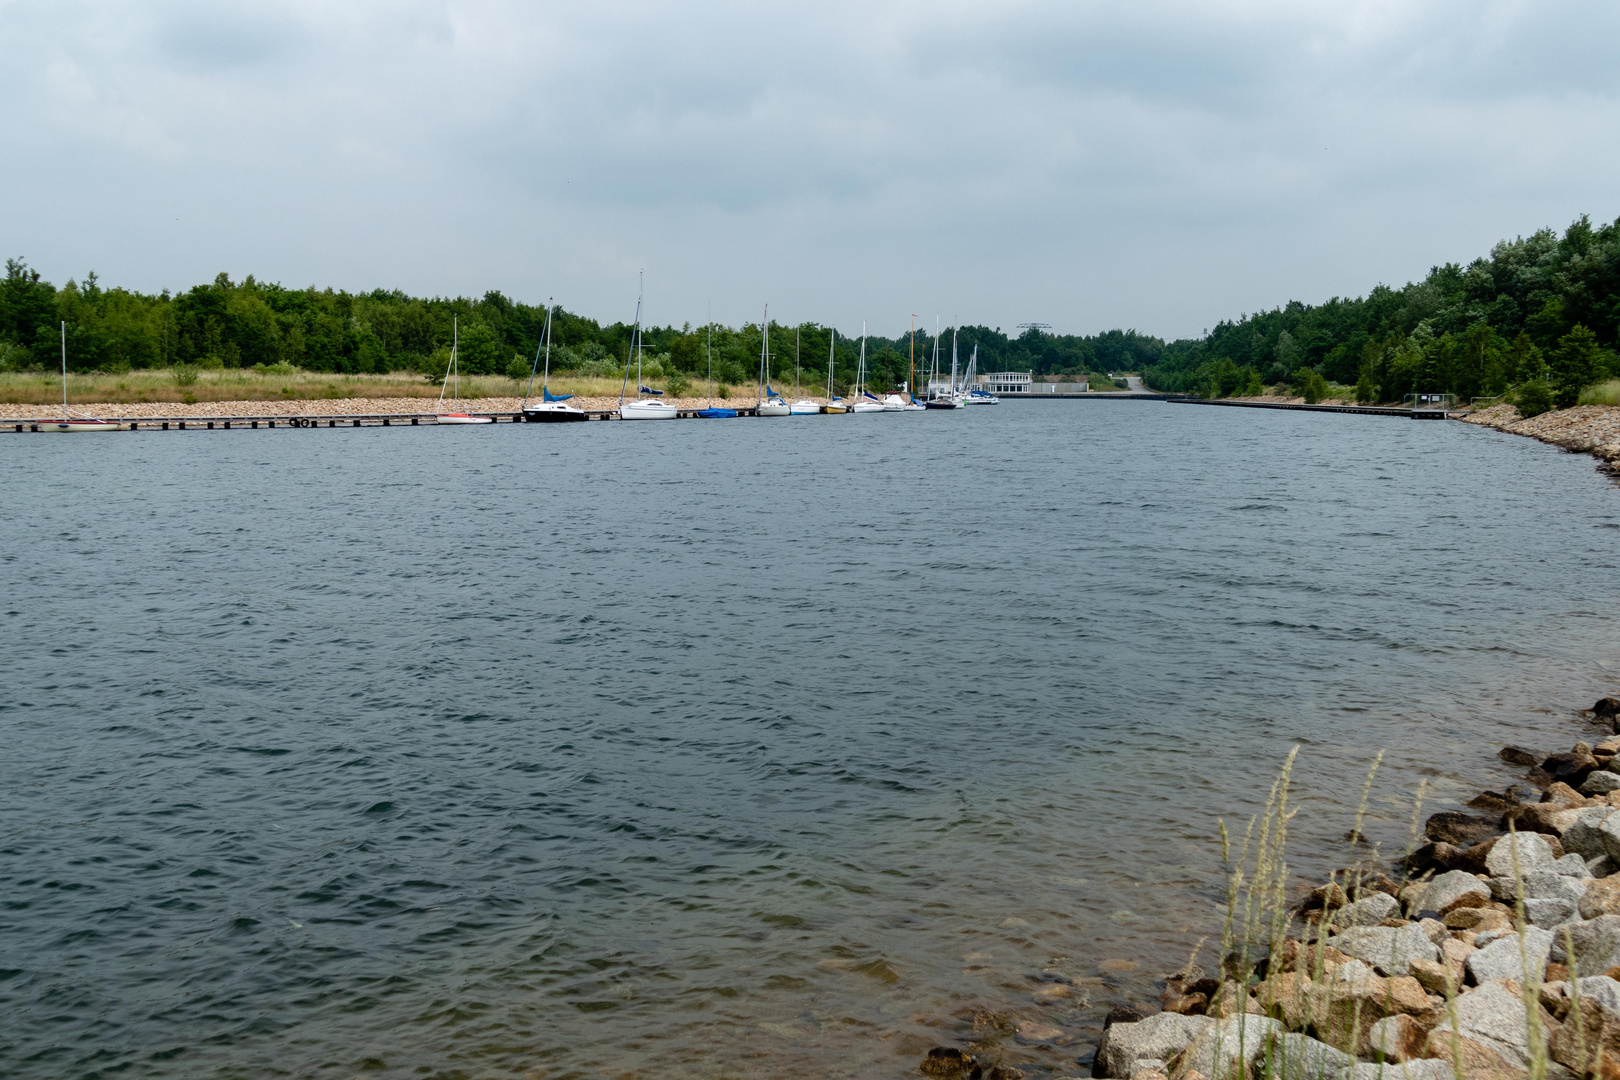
(726, 748)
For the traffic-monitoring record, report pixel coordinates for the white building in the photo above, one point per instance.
(1007, 382)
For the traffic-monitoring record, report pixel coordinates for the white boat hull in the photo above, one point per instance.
(647, 410)
(866, 406)
(79, 425)
(773, 408)
(551, 412)
(461, 418)
(805, 408)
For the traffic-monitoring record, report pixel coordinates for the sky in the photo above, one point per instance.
(1156, 165)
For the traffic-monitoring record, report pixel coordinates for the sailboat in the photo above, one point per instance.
(452, 382)
(712, 413)
(802, 406)
(834, 404)
(950, 398)
(864, 402)
(642, 408)
(72, 420)
(977, 395)
(549, 409)
(770, 402)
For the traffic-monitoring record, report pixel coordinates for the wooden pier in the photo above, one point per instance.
(1366, 410)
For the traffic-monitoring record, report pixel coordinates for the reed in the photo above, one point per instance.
(1273, 964)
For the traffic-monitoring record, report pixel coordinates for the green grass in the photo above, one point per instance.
(189, 384)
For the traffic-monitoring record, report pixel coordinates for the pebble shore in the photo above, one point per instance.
(1585, 429)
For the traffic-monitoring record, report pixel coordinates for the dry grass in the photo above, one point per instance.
(164, 385)
(1604, 393)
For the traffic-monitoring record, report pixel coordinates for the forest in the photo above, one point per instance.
(249, 324)
(1537, 320)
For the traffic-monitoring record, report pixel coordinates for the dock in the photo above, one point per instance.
(251, 422)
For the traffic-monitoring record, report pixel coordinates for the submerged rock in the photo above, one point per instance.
(1518, 755)
(1462, 830)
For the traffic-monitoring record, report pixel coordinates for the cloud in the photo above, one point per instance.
(1158, 164)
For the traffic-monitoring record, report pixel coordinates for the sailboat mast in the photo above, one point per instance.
(953, 362)
(625, 385)
(710, 348)
(831, 349)
(64, 369)
(796, 362)
(545, 383)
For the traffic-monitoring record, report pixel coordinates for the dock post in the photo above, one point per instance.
(165, 425)
(210, 425)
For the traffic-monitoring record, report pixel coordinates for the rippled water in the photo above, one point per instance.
(731, 749)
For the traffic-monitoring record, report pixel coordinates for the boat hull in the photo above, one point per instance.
(717, 414)
(805, 408)
(462, 418)
(939, 404)
(773, 408)
(552, 413)
(646, 410)
(830, 409)
(79, 425)
(866, 407)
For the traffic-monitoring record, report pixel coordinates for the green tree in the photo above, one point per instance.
(1576, 363)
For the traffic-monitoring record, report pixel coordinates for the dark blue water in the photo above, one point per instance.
(725, 748)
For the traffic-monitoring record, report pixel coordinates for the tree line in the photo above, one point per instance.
(252, 324)
(1537, 320)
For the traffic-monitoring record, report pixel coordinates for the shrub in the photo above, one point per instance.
(1310, 385)
(518, 369)
(184, 375)
(676, 383)
(1534, 398)
(722, 391)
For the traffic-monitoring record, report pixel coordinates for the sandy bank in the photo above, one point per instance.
(326, 407)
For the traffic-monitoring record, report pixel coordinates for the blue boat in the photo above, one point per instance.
(712, 413)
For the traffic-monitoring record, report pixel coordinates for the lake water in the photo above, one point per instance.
(727, 748)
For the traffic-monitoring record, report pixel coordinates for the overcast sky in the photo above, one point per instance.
(1157, 165)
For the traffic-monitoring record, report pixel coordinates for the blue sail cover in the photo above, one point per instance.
(769, 392)
(549, 396)
(650, 390)
(868, 395)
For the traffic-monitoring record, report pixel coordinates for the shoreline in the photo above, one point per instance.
(1584, 429)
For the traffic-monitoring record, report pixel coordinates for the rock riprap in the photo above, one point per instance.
(1463, 970)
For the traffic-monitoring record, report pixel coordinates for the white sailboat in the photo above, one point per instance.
(452, 382)
(549, 409)
(71, 419)
(802, 406)
(643, 408)
(977, 395)
(770, 402)
(834, 404)
(864, 402)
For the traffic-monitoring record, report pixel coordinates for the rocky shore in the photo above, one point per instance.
(1491, 952)
(1585, 429)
